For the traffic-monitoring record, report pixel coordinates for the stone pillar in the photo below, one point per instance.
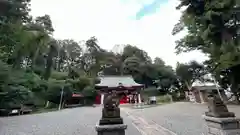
(219, 120)
(202, 97)
(139, 99)
(135, 99)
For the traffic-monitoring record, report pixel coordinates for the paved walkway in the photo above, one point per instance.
(146, 126)
(172, 119)
(180, 118)
(76, 121)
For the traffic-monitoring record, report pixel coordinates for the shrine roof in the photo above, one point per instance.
(114, 81)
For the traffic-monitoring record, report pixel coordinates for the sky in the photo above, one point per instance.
(146, 24)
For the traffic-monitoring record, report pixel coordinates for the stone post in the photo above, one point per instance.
(139, 98)
(111, 122)
(219, 120)
(201, 94)
(102, 98)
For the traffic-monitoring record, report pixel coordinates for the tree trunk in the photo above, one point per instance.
(63, 104)
(188, 85)
(49, 64)
(17, 61)
(234, 89)
(35, 57)
(47, 104)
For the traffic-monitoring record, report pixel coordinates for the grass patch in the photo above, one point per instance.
(164, 99)
(44, 110)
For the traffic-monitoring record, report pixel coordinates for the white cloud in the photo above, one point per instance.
(112, 22)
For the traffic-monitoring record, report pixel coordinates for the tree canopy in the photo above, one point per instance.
(213, 28)
(36, 67)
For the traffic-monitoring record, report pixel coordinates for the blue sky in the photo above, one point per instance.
(144, 23)
(151, 8)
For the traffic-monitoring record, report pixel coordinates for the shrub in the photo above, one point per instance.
(151, 91)
(83, 83)
(163, 99)
(59, 75)
(89, 95)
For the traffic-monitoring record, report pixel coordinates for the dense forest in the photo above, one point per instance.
(35, 67)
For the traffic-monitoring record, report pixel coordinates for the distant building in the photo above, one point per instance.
(122, 84)
(199, 94)
(200, 90)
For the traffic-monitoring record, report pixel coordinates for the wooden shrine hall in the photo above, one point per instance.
(124, 84)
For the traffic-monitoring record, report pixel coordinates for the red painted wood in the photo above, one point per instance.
(122, 101)
(98, 99)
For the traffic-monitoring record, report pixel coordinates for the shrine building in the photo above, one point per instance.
(124, 84)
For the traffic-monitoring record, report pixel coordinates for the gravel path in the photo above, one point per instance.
(77, 121)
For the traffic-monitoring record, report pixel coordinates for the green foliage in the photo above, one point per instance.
(213, 28)
(163, 99)
(158, 61)
(189, 73)
(15, 96)
(55, 87)
(83, 83)
(131, 65)
(151, 91)
(89, 92)
(36, 66)
(4, 73)
(130, 51)
(59, 75)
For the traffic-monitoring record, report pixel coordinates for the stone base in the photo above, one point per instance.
(110, 121)
(117, 129)
(215, 131)
(222, 126)
(220, 115)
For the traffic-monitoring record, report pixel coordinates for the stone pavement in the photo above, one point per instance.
(76, 121)
(180, 118)
(171, 119)
(146, 126)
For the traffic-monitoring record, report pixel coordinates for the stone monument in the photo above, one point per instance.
(111, 122)
(218, 119)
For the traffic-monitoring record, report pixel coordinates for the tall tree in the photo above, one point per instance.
(93, 60)
(130, 51)
(213, 28)
(158, 61)
(113, 64)
(189, 73)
